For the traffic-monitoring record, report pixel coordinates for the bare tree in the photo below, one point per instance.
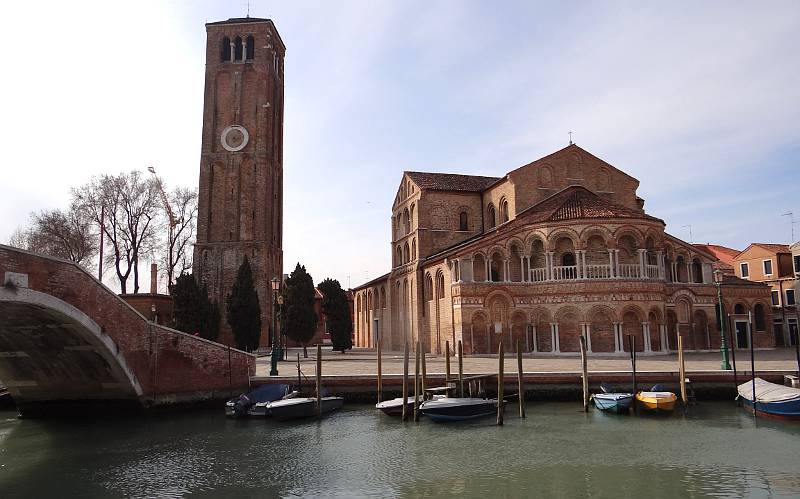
(65, 234)
(125, 207)
(178, 255)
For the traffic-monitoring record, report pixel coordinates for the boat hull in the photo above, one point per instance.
(659, 404)
(772, 400)
(458, 409)
(613, 402)
(305, 407)
(394, 407)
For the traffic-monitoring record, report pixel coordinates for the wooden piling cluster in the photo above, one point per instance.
(500, 382)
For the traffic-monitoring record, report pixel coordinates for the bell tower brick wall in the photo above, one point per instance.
(241, 173)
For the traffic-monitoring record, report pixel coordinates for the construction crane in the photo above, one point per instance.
(173, 222)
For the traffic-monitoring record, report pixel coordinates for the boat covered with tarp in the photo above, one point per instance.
(772, 399)
(458, 409)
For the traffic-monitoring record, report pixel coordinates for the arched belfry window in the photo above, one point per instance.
(237, 49)
(225, 50)
(503, 211)
(492, 216)
(463, 221)
(251, 48)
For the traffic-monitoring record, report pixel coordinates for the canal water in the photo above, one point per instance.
(716, 450)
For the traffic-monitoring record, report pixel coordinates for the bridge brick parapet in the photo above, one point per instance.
(66, 338)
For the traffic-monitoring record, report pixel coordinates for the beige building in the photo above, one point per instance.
(558, 248)
(776, 265)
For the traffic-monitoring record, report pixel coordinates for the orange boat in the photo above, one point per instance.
(657, 401)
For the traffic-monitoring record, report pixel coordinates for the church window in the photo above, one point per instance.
(439, 285)
(463, 221)
(225, 49)
(237, 49)
(251, 48)
(492, 216)
(503, 210)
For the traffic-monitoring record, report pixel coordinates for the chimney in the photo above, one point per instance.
(153, 278)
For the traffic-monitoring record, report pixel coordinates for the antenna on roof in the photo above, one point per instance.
(691, 239)
(570, 137)
(248, 8)
(791, 222)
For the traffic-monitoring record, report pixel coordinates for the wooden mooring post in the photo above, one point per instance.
(752, 358)
(380, 371)
(500, 382)
(460, 369)
(632, 347)
(405, 382)
(319, 379)
(416, 382)
(447, 363)
(520, 384)
(682, 370)
(731, 338)
(584, 374)
(299, 375)
(424, 378)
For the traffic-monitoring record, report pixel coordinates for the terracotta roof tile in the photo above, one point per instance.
(777, 248)
(451, 181)
(723, 253)
(577, 202)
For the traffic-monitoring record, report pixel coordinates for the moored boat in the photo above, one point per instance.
(254, 403)
(394, 407)
(302, 407)
(458, 409)
(772, 400)
(613, 402)
(656, 401)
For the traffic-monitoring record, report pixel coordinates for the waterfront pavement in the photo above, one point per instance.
(363, 363)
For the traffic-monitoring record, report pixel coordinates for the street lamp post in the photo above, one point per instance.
(723, 346)
(276, 347)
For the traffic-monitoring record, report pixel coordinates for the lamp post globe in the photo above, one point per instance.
(723, 346)
(276, 354)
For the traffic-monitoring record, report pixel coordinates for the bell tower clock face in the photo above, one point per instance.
(234, 138)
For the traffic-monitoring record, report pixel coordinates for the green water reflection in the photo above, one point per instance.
(716, 450)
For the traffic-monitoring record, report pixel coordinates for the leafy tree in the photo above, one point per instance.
(299, 318)
(244, 312)
(187, 304)
(193, 312)
(337, 314)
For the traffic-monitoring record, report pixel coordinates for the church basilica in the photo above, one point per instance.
(556, 249)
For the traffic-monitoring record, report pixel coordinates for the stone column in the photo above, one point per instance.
(522, 269)
(233, 51)
(554, 337)
(611, 263)
(646, 336)
(535, 339)
(488, 270)
(506, 273)
(662, 329)
(579, 264)
(642, 262)
(549, 259)
(660, 260)
(617, 336)
(587, 333)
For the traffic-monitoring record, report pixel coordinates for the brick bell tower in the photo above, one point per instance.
(240, 198)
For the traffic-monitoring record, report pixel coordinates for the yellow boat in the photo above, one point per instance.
(657, 401)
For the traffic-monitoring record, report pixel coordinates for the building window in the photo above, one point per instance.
(250, 51)
(225, 49)
(463, 221)
(745, 270)
(776, 298)
(767, 267)
(492, 216)
(503, 211)
(237, 48)
(797, 263)
(790, 297)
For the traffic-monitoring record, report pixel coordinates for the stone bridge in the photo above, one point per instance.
(66, 340)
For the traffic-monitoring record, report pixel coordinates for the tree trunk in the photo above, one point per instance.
(305, 351)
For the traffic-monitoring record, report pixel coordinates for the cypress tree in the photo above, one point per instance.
(337, 314)
(244, 312)
(300, 319)
(187, 306)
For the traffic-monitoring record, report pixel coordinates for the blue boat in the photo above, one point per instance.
(772, 400)
(612, 401)
(254, 404)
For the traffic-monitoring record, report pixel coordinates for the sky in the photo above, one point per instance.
(698, 100)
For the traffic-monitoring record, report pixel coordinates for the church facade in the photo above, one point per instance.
(240, 196)
(557, 249)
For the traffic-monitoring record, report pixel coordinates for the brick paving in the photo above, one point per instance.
(363, 362)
